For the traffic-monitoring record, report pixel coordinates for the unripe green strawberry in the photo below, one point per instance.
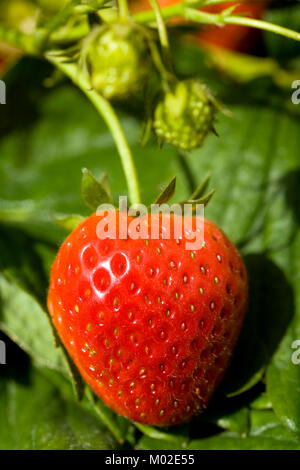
(119, 60)
(185, 115)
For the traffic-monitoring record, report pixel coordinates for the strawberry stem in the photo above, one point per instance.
(163, 34)
(123, 9)
(190, 13)
(223, 18)
(260, 24)
(109, 115)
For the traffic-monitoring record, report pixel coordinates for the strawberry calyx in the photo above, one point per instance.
(199, 196)
(96, 192)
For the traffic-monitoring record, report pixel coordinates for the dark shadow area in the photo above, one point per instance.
(222, 407)
(270, 310)
(20, 260)
(17, 365)
(203, 429)
(24, 88)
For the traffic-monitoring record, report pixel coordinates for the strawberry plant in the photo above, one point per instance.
(131, 341)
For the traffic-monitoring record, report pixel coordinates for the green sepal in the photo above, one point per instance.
(68, 222)
(94, 192)
(66, 56)
(205, 199)
(167, 193)
(202, 200)
(106, 185)
(201, 189)
(200, 195)
(180, 439)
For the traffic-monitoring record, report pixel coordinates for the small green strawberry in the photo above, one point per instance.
(185, 115)
(119, 60)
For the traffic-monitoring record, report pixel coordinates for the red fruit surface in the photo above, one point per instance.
(150, 325)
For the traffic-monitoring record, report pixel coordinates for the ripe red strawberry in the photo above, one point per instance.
(150, 325)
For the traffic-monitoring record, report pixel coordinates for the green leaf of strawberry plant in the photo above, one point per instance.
(27, 284)
(227, 442)
(25, 322)
(265, 432)
(43, 420)
(236, 421)
(283, 375)
(262, 402)
(117, 425)
(201, 189)
(34, 218)
(265, 423)
(178, 439)
(23, 319)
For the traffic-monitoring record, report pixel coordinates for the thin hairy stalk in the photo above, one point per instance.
(190, 13)
(163, 34)
(109, 115)
(221, 19)
(123, 9)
